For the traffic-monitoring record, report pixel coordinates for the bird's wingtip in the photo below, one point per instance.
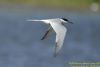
(42, 38)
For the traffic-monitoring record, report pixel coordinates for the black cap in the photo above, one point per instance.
(66, 20)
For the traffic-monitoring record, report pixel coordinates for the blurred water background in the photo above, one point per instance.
(20, 44)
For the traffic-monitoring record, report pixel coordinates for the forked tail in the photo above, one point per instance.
(32, 20)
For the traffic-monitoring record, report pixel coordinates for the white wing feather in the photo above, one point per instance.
(60, 35)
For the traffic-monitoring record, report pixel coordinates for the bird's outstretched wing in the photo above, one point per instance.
(60, 36)
(48, 32)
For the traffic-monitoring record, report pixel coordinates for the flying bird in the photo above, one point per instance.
(56, 25)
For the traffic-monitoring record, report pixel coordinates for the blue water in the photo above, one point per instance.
(20, 44)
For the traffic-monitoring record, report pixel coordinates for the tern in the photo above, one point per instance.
(57, 25)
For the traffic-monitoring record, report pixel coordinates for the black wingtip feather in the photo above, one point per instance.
(42, 38)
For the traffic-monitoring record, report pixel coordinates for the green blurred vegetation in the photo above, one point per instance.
(52, 3)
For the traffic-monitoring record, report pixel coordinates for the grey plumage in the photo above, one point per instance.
(47, 33)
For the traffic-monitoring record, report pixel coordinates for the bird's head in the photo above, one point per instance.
(66, 20)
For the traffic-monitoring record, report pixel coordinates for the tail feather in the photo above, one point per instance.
(33, 20)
